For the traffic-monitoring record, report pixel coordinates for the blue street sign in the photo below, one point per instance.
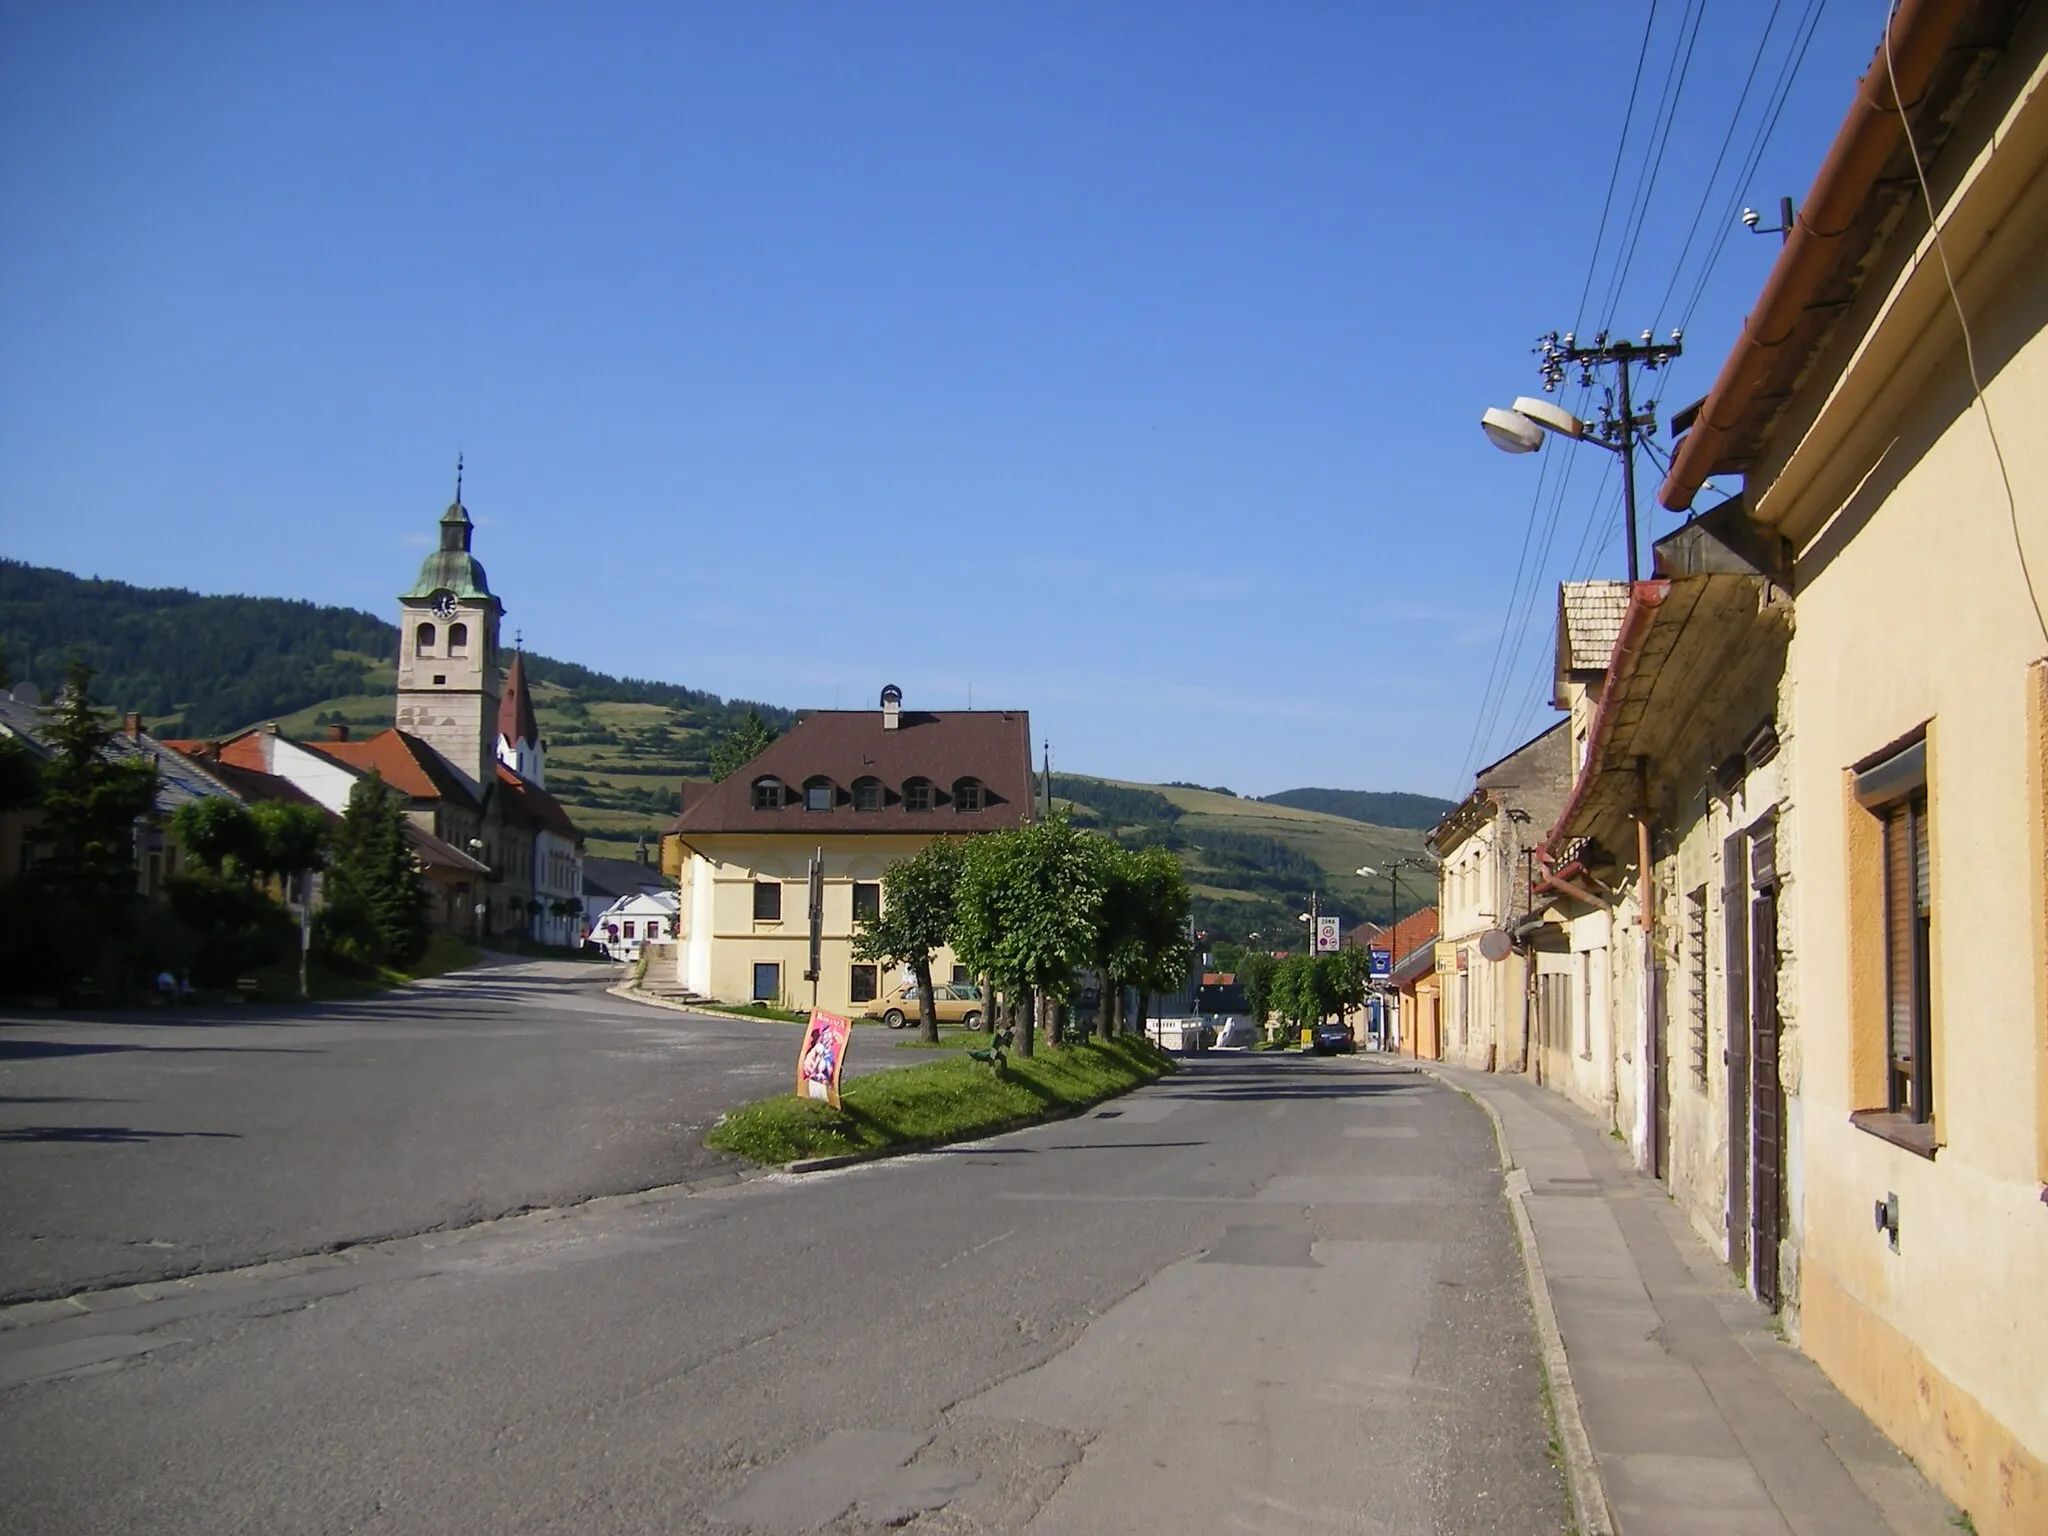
(1382, 964)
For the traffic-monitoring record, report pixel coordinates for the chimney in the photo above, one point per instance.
(270, 728)
(892, 707)
(210, 750)
(337, 732)
(131, 726)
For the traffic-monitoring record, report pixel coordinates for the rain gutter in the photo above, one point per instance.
(1920, 33)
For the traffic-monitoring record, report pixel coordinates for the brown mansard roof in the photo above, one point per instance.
(990, 745)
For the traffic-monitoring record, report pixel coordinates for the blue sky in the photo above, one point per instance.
(1117, 362)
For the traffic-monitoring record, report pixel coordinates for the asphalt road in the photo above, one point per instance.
(152, 1144)
(1268, 1294)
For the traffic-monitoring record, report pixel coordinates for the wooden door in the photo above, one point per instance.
(1766, 1101)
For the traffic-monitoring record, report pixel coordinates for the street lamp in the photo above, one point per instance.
(1520, 427)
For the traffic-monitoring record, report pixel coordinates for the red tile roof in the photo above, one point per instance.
(404, 761)
(528, 805)
(515, 708)
(991, 745)
(1410, 933)
(242, 751)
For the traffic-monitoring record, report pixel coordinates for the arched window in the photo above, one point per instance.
(867, 794)
(917, 794)
(967, 796)
(423, 640)
(767, 794)
(458, 639)
(818, 794)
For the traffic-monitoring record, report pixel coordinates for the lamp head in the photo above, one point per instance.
(1511, 431)
(1552, 418)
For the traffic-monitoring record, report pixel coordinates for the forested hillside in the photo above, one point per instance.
(199, 665)
(1382, 808)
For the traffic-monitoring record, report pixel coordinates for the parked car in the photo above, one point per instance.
(957, 1003)
(1332, 1038)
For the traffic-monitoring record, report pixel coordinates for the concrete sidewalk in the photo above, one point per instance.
(1698, 1417)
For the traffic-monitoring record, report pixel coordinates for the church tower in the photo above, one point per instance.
(448, 652)
(519, 745)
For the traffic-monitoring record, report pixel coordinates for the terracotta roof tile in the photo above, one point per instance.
(527, 803)
(404, 761)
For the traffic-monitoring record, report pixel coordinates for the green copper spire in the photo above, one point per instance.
(452, 568)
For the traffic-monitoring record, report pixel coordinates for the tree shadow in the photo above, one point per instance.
(26, 1050)
(106, 1135)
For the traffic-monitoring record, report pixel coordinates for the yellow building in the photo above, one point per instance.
(861, 789)
(1885, 406)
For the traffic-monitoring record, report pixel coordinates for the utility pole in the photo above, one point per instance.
(1616, 431)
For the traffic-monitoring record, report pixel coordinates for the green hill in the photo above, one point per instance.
(1383, 808)
(1253, 864)
(200, 665)
(618, 748)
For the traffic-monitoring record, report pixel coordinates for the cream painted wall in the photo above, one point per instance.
(720, 942)
(1913, 609)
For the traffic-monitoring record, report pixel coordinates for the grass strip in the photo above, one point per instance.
(955, 1099)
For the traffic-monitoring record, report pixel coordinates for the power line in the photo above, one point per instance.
(1614, 176)
(1720, 157)
(1653, 160)
(1781, 91)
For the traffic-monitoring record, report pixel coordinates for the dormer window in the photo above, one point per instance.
(917, 794)
(867, 794)
(818, 794)
(767, 794)
(458, 639)
(967, 796)
(423, 640)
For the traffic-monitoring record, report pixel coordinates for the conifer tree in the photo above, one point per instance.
(376, 909)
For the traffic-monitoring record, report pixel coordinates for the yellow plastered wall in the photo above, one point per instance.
(2037, 793)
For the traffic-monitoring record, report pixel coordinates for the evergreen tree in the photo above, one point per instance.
(741, 745)
(376, 911)
(91, 802)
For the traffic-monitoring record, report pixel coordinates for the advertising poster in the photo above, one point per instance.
(1382, 963)
(823, 1057)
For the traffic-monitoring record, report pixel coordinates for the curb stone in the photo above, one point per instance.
(1582, 1468)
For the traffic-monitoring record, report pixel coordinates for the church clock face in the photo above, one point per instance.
(444, 605)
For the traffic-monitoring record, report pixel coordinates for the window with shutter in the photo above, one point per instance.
(1907, 924)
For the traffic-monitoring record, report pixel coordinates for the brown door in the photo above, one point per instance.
(1660, 1071)
(1766, 1101)
(1735, 1059)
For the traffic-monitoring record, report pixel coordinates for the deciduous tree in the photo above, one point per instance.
(916, 921)
(1025, 908)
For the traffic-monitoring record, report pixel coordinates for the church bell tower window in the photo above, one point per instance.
(423, 640)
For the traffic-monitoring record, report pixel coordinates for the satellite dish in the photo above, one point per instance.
(1494, 944)
(1511, 431)
(1545, 414)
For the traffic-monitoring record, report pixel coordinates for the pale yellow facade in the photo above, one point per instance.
(1917, 619)
(719, 942)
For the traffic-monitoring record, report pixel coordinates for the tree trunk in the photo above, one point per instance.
(1027, 1022)
(1049, 1016)
(1109, 1015)
(1144, 1009)
(927, 1004)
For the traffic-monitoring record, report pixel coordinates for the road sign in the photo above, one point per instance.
(1382, 964)
(1326, 935)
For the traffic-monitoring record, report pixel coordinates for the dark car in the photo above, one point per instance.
(1332, 1038)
